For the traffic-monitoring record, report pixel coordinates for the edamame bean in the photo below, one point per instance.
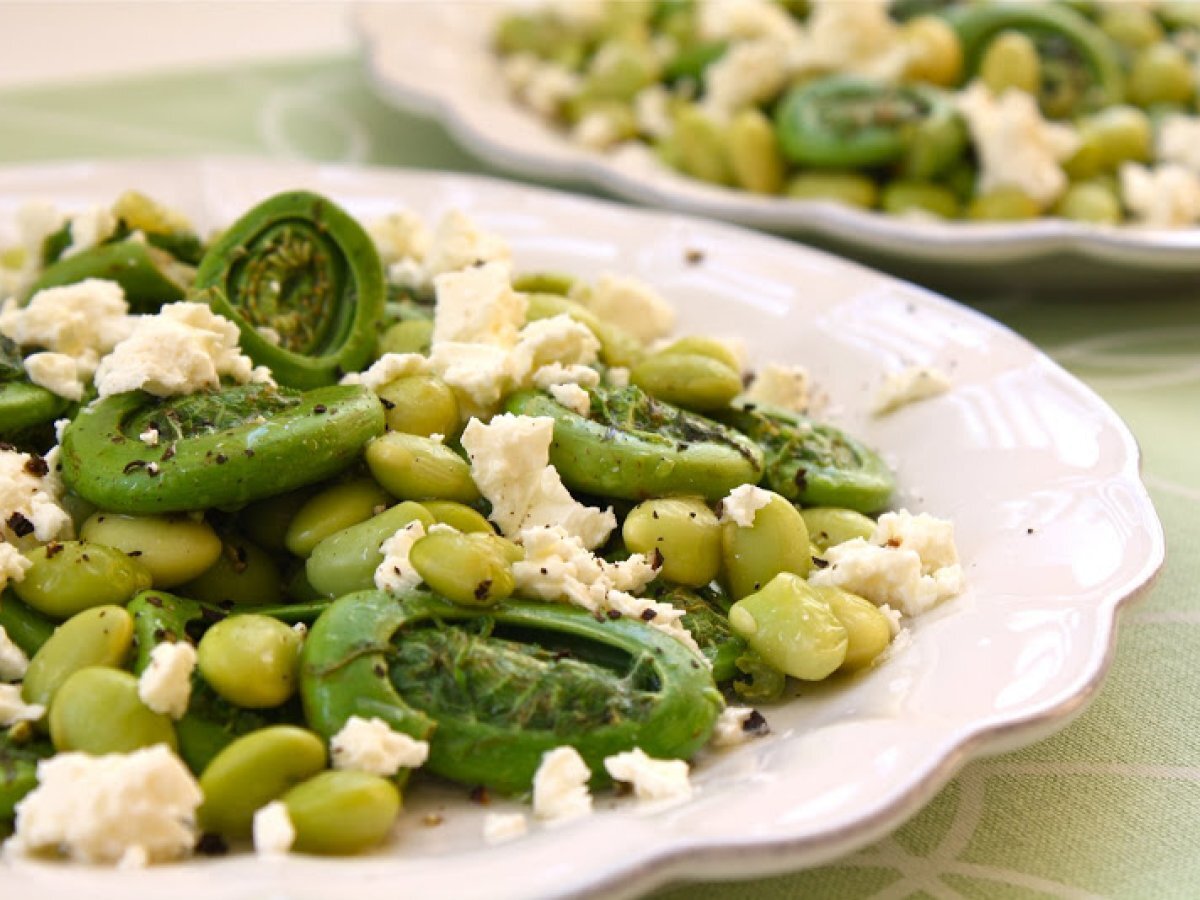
(251, 660)
(469, 569)
(1003, 205)
(683, 531)
(345, 562)
(175, 548)
(618, 70)
(416, 468)
(97, 710)
(329, 511)
(1107, 139)
(850, 188)
(713, 348)
(792, 628)
(829, 526)
(1011, 61)
(458, 515)
(754, 155)
(266, 521)
(903, 196)
(1161, 74)
(867, 630)
(342, 812)
(251, 772)
(688, 380)
(776, 542)
(244, 574)
(935, 54)
(544, 283)
(101, 636)
(71, 576)
(702, 145)
(408, 336)
(1131, 25)
(25, 626)
(420, 404)
(1089, 201)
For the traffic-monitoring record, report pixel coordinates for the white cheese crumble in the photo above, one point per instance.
(184, 348)
(13, 661)
(573, 397)
(90, 228)
(387, 369)
(34, 497)
(617, 376)
(400, 235)
(396, 574)
(501, 827)
(57, 373)
(652, 779)
(480, 374)
(556, 373)
(510, 466)
(743, 502)
(1165, 196)
(731, 730)
(597, 130)
(910, 563)
(746, 74)
(13, 565)
(274, 833)
(96, 809)
(165, 685)
(652, 111)
(630, 303)
(1017, 148)
(546, 87)
(557, 340)
(13, 709)
(459, 243)
(478, 305)
(858, 38)
(910, 386)
(560, 786)
(787, 387)
(1178, 141)
(371, 745)
(741, 19)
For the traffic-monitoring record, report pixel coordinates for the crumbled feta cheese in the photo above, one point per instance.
(371, 745)
(56, 372)
(387, 369)
(557, 340)
(410, 275)
(501, 827)
(741, 19)
(736, 725)
(597, 130)
(573, 397)
(652, 111)
(274, 833)
(1016, 147)
(858, 38)
(479, 374)
(165, 685)
(742, 503)
(556, 373)
(13, 564)
(548, 87)
(584, 15)
(13, 661)
(400, 235)
(652, 779)
(396, 574)
(910, 564)
(13, 709)
(1165, 196)
(90, 228)
(630, 303)
(32, 497)
(510, 466)
(617, 376)
(560, 786)
(909, 386)
(269, 334)
(518, 70)
(478, 305)
(783, 386)
(458, 243)
(96, 808)
(182, 349)
(894, 617)
(149, 437)
(747, 74)
(1178, 141)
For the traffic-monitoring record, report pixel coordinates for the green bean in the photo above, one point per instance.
(903, 196)
(684, 533)
(148, 276)
(850, 188)
(705, 619)
(1003, 205)
(243, 575)
(754, 155)
(25, 626)
(1161, 74)
(266, 521)
(703, 145)
(71, 576)
(250, 660)
(408, 336)
(776, 542)
(101, 636)
(792, 628)
(1010, 61)
(829, 526)
(687, 380)
(251, 772)
(25, 406)
(97, 710)
(868, 632)
(1089, 202)
(174, 549)
(331, 510)
(417, 468)
(544, 283)
(713, 348)
(420, 404)
(458, 516)
(346, 561)
(469, 569)
(342, 813)
(19, 758)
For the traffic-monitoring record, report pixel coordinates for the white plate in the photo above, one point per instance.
(433, 57)
(1041, 478)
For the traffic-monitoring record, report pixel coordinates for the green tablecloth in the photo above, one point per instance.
(1111, 805)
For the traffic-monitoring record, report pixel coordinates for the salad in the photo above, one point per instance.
(298, 513)
(982, 111)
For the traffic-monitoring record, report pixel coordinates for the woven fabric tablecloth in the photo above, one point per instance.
(1108, 807)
